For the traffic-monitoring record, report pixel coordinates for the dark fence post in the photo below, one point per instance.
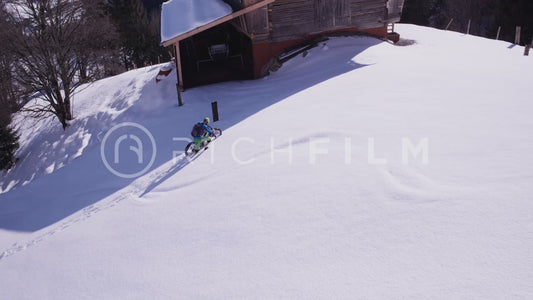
(214, 108)
(180, 102)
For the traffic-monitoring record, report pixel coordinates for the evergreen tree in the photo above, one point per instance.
(103, 49)
(484, 16)
(516, 13)
(8, 96)
(9, 92)
(154, 4)
(140, 44)
(8, 145)
(418, 12)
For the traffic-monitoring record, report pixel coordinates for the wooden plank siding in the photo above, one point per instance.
(368, 13)
(257, 20)
(331, 14)
(297, 18)
(292, 18)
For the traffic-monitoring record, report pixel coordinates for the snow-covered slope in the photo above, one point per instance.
(362, 170)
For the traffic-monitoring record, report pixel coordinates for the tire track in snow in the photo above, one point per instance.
(136, 189)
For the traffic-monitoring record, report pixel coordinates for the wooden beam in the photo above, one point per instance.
(217, 22)
(243, 23)
(241, 30)
(178, 65)
(179, 85)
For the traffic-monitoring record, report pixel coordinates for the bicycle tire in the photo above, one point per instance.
(216, 132)
(190, 149)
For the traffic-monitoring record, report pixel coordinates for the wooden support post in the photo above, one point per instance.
(498, 34)
(178, 64)
(180, 102)
(468, 28)
(179, 85)
(450, 23)
(517, 37)
(243, 23)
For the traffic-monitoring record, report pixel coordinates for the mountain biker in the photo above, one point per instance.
(202, 133)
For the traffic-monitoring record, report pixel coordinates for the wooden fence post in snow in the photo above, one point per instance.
(468, 28)
(526, 51)
(179, 73)
(517, 37)
(498, 34)
(449, 24)
(180, 101)
(214, 108)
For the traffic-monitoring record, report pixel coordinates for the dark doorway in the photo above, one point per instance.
(219, 54)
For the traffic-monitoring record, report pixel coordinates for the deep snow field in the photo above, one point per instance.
(364, 170)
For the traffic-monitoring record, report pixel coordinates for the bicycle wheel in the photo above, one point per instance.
(216, 132)
(190, 149)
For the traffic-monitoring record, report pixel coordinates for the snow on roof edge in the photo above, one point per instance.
(181, 16)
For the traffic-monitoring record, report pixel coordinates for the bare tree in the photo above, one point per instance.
(55, 44)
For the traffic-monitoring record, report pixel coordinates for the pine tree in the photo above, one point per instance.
(418, 11)
(516, 13)
(140, 45)
(9, 93)
(8, 145)
(484, 16)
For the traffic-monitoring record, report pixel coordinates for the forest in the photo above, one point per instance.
(484, 16)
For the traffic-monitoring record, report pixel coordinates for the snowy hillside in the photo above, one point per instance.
(363, 170)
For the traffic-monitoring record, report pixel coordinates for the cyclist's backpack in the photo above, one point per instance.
(197, 130)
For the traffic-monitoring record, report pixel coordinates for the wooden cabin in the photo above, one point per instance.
(245, 43)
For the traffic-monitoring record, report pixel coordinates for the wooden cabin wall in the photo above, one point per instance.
(297, 18)
(257, 20)
(292, 18)
(332, 14)
(368, 13)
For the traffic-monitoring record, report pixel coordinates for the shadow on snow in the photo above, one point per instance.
(60, 195)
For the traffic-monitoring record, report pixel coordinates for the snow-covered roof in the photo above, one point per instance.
(181, 16)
